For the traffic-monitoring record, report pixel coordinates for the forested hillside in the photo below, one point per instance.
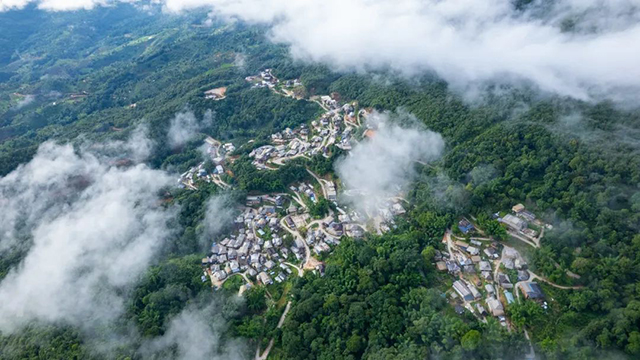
(91, 76)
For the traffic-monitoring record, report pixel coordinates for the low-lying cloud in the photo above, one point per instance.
(184, 127)
(579, 48)
(219, 213)
(57, 5)
(382, 165)
(89, 229)
(27, 100)
(195, 333)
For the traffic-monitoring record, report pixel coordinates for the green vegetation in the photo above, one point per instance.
(320, 208)
(380, 298)
(246, 177)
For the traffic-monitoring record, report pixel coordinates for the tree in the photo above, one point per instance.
(428, 253)
(471, 340)
(256, 299)
(354, 344)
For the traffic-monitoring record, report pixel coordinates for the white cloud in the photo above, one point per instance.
(90, 228)
(219, 213)
(381, 166)
(466, 42)
(55, 5)
(67, 5)
(137, 148)
(13, 4)
(184, 127)
(24, 102)
(195, 334)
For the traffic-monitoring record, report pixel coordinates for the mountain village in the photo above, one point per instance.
(274, 236)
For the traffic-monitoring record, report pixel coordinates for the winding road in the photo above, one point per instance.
(265, 354)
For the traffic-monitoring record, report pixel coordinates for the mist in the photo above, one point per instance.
(197, 333)
(219, 214)
(27, 100)
(578, 48)
(381, 166)
(185, 127)
(581, 49)
(89, 228)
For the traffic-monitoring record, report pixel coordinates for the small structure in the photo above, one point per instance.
(220, 275)
(461, 244)
(481, 309)
(491, 253)
(517, 208)
(527, 215)
(490, 289)
(331, 192)
(495, 306)
(465, 226)
(476, 294)
(514, 222)
(504, 281)
(485, 266)
(509, 296)
(265, 278)
(523, 275)
(531, 290)
(463, 290)
(473, 250)
(452, 267)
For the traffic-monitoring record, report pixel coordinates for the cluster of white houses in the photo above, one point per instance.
(218, 154)
(264, 79)
(256, 248)
(334, 128)
(259, 247)
(519, 220)
(479, 286)
(264, 243)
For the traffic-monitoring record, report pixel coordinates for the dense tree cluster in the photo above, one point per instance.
(379, 299)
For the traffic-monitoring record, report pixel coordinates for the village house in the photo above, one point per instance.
(465, 226)
(495, 306)
(264, 278)
(481, 309)
(531, 290)
(517, 208)
(514, 223)
(463, 290)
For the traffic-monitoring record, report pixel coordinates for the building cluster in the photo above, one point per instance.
(292, 83)
(474, 263)
(519, 221)
(263, 80)
(287, 145)
(256, 248)
(333, 128)
(305, 189)
(267, 239)
(321, 241)
(263, 244)
(218, 154)
(486, 277)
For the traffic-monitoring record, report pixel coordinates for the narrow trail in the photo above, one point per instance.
(563, 287)
(265, 354)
